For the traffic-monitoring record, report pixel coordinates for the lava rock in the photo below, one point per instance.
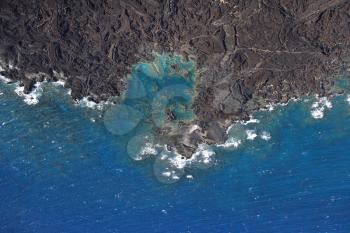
(250, 52)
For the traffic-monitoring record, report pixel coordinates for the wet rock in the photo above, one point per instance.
(28, 85)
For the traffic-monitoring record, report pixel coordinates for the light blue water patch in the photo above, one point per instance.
(121, 119)
(159, 97)
(61, 172)
(166, 84)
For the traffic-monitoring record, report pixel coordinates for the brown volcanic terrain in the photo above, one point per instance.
(249, 52)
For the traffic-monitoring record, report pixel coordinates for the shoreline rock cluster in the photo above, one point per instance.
(249, 53)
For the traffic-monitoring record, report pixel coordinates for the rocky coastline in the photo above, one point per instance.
(248, 53)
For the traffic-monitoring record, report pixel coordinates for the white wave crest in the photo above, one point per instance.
(58, 83)
(231, 142)
(251, 134)
(4, 79)
(317, 113)
(166, 174)
(265, 135)
(178, 161)
(149, 149)
(348, 99)
(33, 97)
(142, 147)
(251, 121)
(318, 107)
(203, 157)
(169, 166)
(270, 107)
(85, 102)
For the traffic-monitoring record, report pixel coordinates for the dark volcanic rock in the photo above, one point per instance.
(250, 52)
(28, 85)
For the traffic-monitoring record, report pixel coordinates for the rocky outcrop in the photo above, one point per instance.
(248, 52)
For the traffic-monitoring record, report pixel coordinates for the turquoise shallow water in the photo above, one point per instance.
(154, 91)
(61, 170)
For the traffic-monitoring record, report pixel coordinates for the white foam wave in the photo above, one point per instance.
(142, 147)
(149, 149)
(251, 121)
(58, 83)
(231, 142)
(265, 135)
(85, 102)
(317, 113)
(169, 166)
(203, 157)
(61, 81)
(178, 161)
(251, 134)
(33, 97)
(348, 99)
(166, 174)
(318, 107)
(270, 107)
(4, 79)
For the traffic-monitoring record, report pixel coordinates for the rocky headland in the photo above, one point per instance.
(248, 53)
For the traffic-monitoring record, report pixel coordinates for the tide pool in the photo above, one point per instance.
(61, 170)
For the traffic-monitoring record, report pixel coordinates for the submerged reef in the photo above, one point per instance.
(243, 54)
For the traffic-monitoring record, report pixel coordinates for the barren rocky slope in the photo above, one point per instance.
(248, 52)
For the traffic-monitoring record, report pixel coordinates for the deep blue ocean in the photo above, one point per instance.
(61, 170)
